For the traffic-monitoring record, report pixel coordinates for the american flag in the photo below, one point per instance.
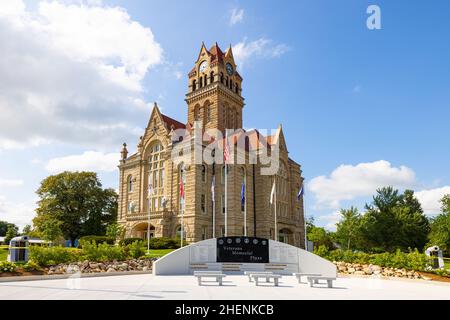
(182, 189)
(226, 152)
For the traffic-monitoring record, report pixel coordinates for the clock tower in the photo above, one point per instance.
(215, 90)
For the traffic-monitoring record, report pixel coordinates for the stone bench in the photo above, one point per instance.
(250, 273)
(315, 279)
(218, 275)
(300, 275)
(275, 277)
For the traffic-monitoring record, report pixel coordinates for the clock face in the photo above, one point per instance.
(230, 69)
(203, 66)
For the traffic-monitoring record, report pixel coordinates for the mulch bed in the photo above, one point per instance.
(20, 273)
(435, 277)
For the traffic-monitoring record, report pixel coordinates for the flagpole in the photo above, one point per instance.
(148, 226)
(226, 200)
(245, 205)
(213, 195)
(276, 222)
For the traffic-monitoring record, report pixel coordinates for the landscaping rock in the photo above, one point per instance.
(367, 270)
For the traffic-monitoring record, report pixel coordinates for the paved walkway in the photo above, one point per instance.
(235, 287)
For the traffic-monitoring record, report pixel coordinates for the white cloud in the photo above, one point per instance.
(261, 48)
(348, 182)
(71, 73)
(11, 183)
(88, 161)
(237, 15)
(17, 213)
(330, 220)
(430, 199)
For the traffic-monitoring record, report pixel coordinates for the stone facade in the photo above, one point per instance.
(214, 103)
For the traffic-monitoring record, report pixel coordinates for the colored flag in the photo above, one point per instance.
(272, 194)
(301, 193)
(243, 193)
(226, 152)
(182, 189)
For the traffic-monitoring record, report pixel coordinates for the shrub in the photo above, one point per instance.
(155, 243)
(44, 256)
(31, 266)
(96, 239)
(414, 260)
(164, 243)
(128, 241)
(6, 266)
(102, 252)
(136, 249)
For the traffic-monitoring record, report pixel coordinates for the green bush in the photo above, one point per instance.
(414, 260)
(128, 241)
(6, 266)
(31, 266)
(136, 249)
(96, 239)
(155, 243)
(44, 256)
(102, 252)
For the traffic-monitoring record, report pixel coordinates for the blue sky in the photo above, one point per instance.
(360, 108)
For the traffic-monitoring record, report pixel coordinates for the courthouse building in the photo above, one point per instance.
(182, 191)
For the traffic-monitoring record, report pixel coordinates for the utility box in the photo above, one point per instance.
(437, 258)
(18, 249)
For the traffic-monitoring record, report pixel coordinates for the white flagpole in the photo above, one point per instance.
(245, 207)
(226, 200)
(213, 194)
(148, 226)
(276, 223)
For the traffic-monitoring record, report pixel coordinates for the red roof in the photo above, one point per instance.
(172, 122)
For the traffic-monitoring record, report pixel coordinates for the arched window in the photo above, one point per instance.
(156, 176)
(236, 88)
(182, 182)
(203, 173)
(179, 233)
(201, 82)
(231, 84)
(130, 183)
(194, 85)
(227, 82)
(221, 77)
(211, 77)
(208, 114)
(196, 112)
(243, 190)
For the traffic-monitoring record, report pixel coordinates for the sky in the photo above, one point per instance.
(360, 108)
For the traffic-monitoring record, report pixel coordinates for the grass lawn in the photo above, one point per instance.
(3, 254)
(159, 253)
(447, 264)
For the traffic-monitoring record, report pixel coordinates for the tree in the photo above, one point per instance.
(4, 227)
(77, 202)
(50, 229)
(12, 232)
(320, 237)
(440, 227)
(348, 232)
(395, 221)
(115, 231)
(26, 230)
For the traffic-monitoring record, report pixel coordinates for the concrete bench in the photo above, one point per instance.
(212, 274)
(300, 275)
(316, 280)
(249, 274)
(275, 277)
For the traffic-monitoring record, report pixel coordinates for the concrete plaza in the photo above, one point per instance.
(236, 287)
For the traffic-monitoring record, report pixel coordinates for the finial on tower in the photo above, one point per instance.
(124, 152)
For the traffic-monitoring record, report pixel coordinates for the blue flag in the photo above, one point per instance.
(243, 193)
(301, 193)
